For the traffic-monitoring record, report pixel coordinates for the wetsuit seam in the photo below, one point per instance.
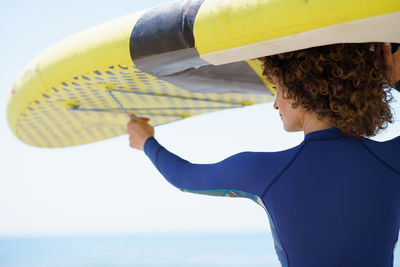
(283, 171)
(277, 231)
(379, 159)
(270, 185)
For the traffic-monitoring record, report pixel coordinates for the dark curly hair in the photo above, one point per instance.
(345, 83)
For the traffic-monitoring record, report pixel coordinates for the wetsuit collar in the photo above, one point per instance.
(330, 133)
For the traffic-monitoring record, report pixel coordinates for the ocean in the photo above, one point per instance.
(167, 250)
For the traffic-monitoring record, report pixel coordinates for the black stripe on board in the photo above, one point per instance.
(165, 28)
(185, 69)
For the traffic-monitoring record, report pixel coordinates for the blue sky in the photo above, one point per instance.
(107, 187)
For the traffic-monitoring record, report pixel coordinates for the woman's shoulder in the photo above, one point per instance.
(388, 150)
(388, 142)
(279, 153)
(385, 146)
(277, 159)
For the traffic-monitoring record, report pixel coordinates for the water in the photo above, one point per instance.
(195, 250)
(147, 251)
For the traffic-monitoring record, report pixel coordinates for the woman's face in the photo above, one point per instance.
(292, 117)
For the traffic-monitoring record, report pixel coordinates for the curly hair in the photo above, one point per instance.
(345, 83)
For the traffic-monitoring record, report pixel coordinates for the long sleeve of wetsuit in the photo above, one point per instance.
(236, 173)
(239, 175)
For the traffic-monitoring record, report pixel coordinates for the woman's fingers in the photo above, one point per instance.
(135, 119)
(139, 131)
(387, 56)
(133, 116)
(392, 62)
(138, 118)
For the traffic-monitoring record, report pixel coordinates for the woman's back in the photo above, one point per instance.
(337, 201)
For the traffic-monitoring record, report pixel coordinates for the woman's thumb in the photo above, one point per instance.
(133, 116)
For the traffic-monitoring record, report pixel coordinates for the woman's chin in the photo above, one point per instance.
(287, 128)
(291, 128)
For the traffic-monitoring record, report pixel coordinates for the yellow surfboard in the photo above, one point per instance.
(177, 60)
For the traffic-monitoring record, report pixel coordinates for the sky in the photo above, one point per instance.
(107, 187)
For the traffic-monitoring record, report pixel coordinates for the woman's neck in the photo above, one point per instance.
(312, 123)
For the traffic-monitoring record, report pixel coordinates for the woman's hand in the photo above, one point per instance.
(392, 62)
(139, 131)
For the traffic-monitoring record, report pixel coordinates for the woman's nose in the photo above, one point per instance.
(276, 105)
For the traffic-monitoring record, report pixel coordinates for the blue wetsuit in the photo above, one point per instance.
(331, 201)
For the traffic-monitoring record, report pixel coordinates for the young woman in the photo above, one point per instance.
(334, 199)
